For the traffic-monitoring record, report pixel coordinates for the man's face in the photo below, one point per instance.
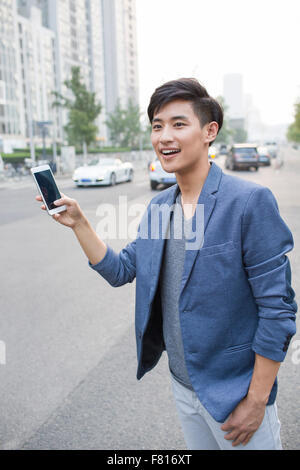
(177, 137)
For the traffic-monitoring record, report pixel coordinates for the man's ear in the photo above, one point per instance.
(211, 131)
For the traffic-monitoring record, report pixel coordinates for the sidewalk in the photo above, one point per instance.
(65, 180)
(18, 182)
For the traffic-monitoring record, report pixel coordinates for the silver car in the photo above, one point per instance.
(158, 175)
(103, 171)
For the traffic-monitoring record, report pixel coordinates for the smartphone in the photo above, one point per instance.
(47, 187)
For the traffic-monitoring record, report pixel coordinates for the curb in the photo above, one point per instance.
(27, 181)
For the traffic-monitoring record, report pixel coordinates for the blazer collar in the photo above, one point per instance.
(211, 185)
(206, 198)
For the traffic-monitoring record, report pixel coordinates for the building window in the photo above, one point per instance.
(72, 6)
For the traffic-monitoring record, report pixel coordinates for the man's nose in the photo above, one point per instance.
(166, 135)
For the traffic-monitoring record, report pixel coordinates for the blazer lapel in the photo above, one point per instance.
(208, 199)
(159, 243)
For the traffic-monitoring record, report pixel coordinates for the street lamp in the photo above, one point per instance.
(42, 125)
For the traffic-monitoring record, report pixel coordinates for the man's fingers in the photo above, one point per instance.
(240, 439)
(227, 426)
(63, 200)
(230, 436)
(249, 436)
(39, 198)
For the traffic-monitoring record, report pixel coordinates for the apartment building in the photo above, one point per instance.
(43, 39)
(10, 124)
(120, 52)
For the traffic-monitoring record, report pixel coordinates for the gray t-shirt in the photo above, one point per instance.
(170, 284)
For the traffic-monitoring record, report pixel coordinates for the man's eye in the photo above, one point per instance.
(179, 124)
(156, 126)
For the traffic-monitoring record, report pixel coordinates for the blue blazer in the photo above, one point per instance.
(236, 296)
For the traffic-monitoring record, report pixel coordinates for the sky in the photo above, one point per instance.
(207, 39)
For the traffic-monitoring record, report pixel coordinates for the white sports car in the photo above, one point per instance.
(103, 171)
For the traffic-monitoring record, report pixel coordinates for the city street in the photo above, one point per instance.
(69, 378)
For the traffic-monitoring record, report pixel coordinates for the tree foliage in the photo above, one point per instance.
(125, 127)
(83, 110)
(293, 132)
(239, 135)
(224, 136)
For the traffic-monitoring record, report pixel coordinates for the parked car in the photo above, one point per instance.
(158, 175)
(223, 149)
(213, 151)
(272, 148)
(264, 156)
(242, 156)
(1, 168)
(103, 171)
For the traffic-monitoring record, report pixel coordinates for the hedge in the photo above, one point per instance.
(19, 155)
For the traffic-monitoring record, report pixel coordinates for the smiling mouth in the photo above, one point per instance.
(169, 153)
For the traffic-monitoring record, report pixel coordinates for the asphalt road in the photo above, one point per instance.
(69, 381)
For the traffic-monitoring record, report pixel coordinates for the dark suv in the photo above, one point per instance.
(242, 156)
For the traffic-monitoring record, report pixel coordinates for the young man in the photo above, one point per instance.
(223, 306)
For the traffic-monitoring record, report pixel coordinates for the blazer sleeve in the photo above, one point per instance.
(118, 269)
(266, 239)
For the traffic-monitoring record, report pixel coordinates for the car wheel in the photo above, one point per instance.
(113, 179)
(130, 176)
(153, 184)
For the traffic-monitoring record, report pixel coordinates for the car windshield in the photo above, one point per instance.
(245, 151)
(262, 150)
(102, 162)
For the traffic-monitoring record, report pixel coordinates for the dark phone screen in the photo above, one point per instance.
(48, 187)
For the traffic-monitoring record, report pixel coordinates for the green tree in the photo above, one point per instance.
(293, 132)
(239, 135)
(115, 124)
(83, 110)
(225, 134)
(146, 135)
(133, 128)
(124, 125)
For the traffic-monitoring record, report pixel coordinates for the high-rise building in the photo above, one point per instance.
(9, 91)
(40, 41)
(120, 52)
(36, 71)
(77, 25)
(234, 100)
(233, 95)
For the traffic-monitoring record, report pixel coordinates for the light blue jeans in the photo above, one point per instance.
(202, 432)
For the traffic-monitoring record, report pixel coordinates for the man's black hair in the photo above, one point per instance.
(189, 89)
